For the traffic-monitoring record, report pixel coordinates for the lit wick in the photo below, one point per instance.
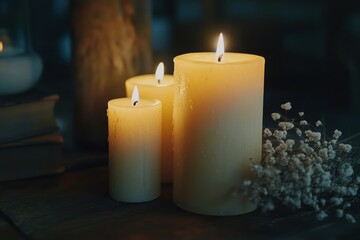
(135, 96)
(219, 55)
(159, 73)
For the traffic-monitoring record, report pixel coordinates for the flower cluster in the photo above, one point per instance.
(301, 167)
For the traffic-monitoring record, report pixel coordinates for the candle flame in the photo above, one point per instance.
(159, 74)
(1, 46)
(135, 96)
(219, 56)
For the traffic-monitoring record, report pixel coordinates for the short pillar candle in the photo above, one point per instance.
(134, 149)
(161, 87)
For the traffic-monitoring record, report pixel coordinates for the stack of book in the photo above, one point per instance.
(30, 142)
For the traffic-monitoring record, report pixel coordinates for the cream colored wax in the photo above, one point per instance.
(217, 130)
(134, 149)
(150, 88)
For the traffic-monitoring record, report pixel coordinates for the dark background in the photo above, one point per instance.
(311, 47)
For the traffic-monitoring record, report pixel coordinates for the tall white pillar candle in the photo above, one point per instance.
(134, 149)
(161, 87)
(217, 130)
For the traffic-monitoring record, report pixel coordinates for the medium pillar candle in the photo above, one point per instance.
(134, 149)
(218, 110)
(163, 90)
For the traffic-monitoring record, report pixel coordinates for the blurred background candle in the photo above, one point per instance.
(20, 66)
(218, 109)
(134, 148)
(159, 86)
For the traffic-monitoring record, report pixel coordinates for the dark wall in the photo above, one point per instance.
(311, 48)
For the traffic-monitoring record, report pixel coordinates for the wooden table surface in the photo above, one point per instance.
(76, 205)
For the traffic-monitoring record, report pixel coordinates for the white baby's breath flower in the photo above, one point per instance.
(318, 123)
(271, 160)
(325, 180)
(345, 147)
(352, 191)
(340, 190)
(339, 213)
(313, 136)
(258, 170)
(281, 149)
(345, 170)
(323, 152)
(331, 152)
(337, 200)
(286, 125)
(267, 132)
(307, 170)
(321, 215)
(295, 176)
(319, 169)
(305, 148)
(280, 134)
(268, 147)
(316, 207)
(307, 177)
(290, 143)
(303, 123)
(268, 206)
(267, 144)
(347, 205)
(247, 183)
(275, 116)
(286, 106)
(337, 134)
(350, 218)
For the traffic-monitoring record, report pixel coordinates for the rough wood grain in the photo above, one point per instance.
(111, 42)
(76, 205)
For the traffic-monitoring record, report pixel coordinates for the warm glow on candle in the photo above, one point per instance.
(1, 46)
(217, 122)
(219, 56)
(134, 149)
(135, 96)
(158, 85)
(159, 74)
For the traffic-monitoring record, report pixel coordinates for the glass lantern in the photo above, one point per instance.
(20, 66)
